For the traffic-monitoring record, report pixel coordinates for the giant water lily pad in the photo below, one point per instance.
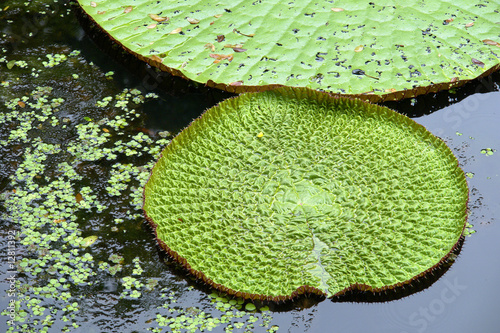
(388, 51)
(273, 194)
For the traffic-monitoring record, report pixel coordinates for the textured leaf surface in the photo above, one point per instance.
(386, 48)
(269, 192)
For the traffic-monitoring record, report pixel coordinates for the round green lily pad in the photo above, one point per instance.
(388, 50)
(269, 195)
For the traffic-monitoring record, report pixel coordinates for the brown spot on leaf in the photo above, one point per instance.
(468, 25)
(220, 38)
(93, 4)
(152, 26)
(128, 9)
(175, 31)
(359, 48)
(217, 15)
(337, 9)
(237, 83)
(101, 12)
(454, 79)
(238, 49)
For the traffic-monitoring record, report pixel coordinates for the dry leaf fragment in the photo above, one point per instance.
(93, 4)
(156, 58)
(219, 57)
(158, 18)
(359, 48)
(175, 31)
(210, 46)
(192, 20)
(239, 32)
(105, 130)
(217, 15)
(338, 9)
(478, 62)
(233, 45)
(448, 20)
(101, 12)
(79, 197)
(128, 9)
(468, 25)
(238, 49)
(491, 42)
(220, 38)
(151, 26)
(21, 104)
(454, 79)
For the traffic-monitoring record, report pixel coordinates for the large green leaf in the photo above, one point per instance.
(403, 48)
(277, 193)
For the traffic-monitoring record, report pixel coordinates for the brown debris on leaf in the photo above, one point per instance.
(491, 42)
(158, 18)
(128, 9)
(478, 62)
(210, 46)
(239, 32)
(220, 38)
(236, 47)
(192, 20)
(219, 57)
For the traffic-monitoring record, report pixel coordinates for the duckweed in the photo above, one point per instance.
(51, 201)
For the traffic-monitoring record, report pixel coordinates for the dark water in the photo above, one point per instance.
(465, 299)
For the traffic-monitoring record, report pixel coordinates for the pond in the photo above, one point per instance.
(81, 124)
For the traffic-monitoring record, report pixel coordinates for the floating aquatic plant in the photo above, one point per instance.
(274, 194)
(376, 51)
